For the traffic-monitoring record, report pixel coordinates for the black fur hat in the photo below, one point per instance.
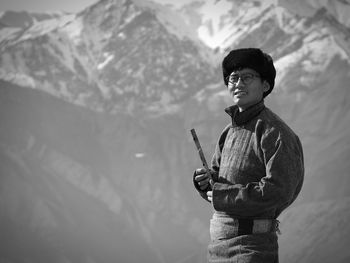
(252, 58)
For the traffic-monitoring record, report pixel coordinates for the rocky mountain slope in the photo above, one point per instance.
(96, 107)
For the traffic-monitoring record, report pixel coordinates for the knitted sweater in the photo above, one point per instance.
(258, 165)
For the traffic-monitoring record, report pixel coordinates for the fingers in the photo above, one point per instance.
(202, 178)
(203, 184)
(210, 196)
(201, 171)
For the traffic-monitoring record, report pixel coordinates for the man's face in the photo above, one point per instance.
(246, 88)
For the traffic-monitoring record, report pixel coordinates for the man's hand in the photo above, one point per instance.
(202, 178)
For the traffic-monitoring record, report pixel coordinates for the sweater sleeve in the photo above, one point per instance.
(276, 190)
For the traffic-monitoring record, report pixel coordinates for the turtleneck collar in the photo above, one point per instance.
(240, 118)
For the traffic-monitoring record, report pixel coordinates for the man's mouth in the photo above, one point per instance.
(240, 92)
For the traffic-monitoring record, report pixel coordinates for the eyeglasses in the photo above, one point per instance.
(246, 78)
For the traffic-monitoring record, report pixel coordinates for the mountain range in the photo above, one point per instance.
(96, 108)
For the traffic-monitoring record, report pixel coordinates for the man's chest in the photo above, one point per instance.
(242, 160)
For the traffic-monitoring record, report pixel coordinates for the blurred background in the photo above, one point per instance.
(96, 102)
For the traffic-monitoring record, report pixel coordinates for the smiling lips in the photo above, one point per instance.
(240, 92)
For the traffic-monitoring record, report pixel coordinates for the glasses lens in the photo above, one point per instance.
(234, 79)
(246, 78)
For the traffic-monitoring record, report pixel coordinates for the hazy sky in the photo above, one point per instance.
(56, 5)
(45, 5)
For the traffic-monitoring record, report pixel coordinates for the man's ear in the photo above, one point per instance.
(266, 86)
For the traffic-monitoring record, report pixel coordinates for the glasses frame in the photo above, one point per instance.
(241, 77)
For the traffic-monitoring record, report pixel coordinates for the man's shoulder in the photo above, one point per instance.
(271, 122)
(273, 129)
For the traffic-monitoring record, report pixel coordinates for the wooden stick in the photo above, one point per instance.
(201, 154)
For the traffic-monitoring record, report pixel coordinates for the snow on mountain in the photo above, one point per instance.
(170, 19)
(77, 46)
(96, 156)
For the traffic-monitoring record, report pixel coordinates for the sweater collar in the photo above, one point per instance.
(240, 118)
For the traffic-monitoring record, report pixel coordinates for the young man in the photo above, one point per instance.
(257, 167)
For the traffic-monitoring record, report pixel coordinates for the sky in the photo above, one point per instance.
(58, 5)
(45, 5)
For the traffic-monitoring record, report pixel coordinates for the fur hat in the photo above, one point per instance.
(252, 58)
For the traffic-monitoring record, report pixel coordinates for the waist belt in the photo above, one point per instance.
(226, 227)
(256, 226)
